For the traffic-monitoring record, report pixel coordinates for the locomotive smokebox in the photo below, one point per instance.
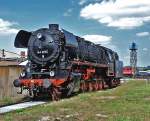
(53, 27)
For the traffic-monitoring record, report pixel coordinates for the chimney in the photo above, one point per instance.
(53, 27)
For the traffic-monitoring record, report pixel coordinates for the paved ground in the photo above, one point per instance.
(20, 106)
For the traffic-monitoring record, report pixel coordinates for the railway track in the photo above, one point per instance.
(6, 109)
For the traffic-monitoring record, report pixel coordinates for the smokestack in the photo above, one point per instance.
(53, 27)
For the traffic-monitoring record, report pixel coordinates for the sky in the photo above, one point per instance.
(111, 23)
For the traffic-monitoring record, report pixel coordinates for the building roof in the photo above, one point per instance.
(9, 63)
(24, 63)
(8, 54)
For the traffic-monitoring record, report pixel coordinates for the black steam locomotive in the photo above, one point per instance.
(60, 62)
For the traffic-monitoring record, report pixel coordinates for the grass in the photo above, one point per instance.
(6, 100)
(9, 100)
(128, 102)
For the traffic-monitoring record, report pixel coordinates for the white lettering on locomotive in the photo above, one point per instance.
(42, 52)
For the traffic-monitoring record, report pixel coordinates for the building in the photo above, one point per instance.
(10, 70)
(12, 56)
(8, 54)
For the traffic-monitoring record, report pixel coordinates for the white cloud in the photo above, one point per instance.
(6, 27)
(98, 39)
(127, 57)
(142, 34)
(126, 60)
(68, 12)
(7, 35)
(81, 2)
(145, 49)
(102, 40)
(123, 14)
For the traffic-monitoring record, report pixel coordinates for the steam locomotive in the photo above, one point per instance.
(60, 63)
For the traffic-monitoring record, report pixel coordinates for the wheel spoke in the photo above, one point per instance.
(55, 94)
